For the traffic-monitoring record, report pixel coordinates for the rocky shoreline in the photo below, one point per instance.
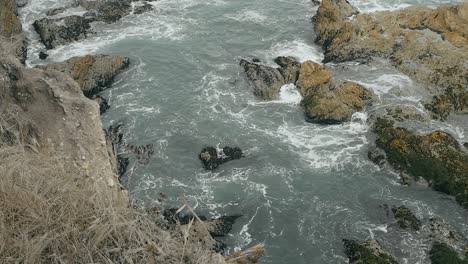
(60, 106)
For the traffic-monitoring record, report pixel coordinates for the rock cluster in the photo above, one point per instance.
(366, 252)
(211, 158)
(324, 101)
(60, 31)
(429, 45)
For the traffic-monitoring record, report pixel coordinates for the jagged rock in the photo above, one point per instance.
(400, 113)
(427, 44)
(61, 31)
(437, 157)
(112, 11)
(441, 232)
(211, 158)
(93, 73)
(122, 166)
(43, 55)
(103, 104)
(21, 3)
(406, 218)
(325, 102)
(369, 252)
(11, 29)
(144, 7)
(290, 68)
(221, 226)
(266, 81)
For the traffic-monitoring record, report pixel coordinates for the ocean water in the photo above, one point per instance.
(302, 187)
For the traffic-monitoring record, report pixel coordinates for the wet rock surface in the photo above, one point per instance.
(93, 73)
(211, 158)
(369, 252)
(436, 157)
(429, 45)
(266, 81)
(325, 102)
(405, 218)
(60, 31)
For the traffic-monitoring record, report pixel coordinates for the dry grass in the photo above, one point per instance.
(47, 216)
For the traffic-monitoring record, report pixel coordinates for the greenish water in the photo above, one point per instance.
(302, 187)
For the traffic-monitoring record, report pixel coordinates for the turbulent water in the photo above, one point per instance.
(302, 187)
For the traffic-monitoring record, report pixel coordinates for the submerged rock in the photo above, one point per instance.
(437, 157)
(211, 158)
(369, 252)
(43, 55)
(221, 226)
(406, 218)
(61, 31)
(429, 45)
(93, 73)
(56, 11)
(325, 102)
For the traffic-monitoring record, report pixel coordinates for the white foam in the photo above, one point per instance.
(290, 94)
(248, 16)
(296, 48)
(385, 83)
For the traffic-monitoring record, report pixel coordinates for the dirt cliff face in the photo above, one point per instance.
(11, 29)
(429, 45)
(56, 117)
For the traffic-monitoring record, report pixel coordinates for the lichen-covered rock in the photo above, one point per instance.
(211, 158)
(11, 29)
(93, 73)
(437, 157)
(406, 218)
(369, 252)
(266, 81)
(61, 31)
(327, 103)
(426, 44)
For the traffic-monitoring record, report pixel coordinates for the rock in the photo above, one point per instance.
(442, 254)
(465, 145)
(406, 218)
(112, 11)
(221, 226)
(437, 157)
(290, 68)
(366, 253)
(11, 29)
(144, 7)
(429, 45)
(316, 2)
(377, 156)
(61, 31)
(56, 11)
(399, 113)
(122, 166)
(211, 159)
(441, 232)
(103, 104)
(93, 73)
(43, 55)
(266, 81)
(325, 102)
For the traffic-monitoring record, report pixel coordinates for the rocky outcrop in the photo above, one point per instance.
(266, 81)
(211, 158)
(441, 254)
(366, 252)
(405, 218)
(436, 157)
(60, 31)
(93, 73)
(56, 118)
(441, 232)
(11, 29)
(429, 45)
(325, 102)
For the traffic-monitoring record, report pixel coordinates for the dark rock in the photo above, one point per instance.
(465, 145)
(93, 73)
(442, 254)
(172, 216)
(406, 218)
(222, 225)
(112, 11)
(376, 155)
(122, 166)
(103, 104)
(290, 68)
(21, 3)
(61, 31)
(144, 7)
(211, 159)
(256, 60)
(56, 11)
(143, 153)
(316, 2)
(43, 55)
(369, 252)
(266, 81)
(437, 157)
